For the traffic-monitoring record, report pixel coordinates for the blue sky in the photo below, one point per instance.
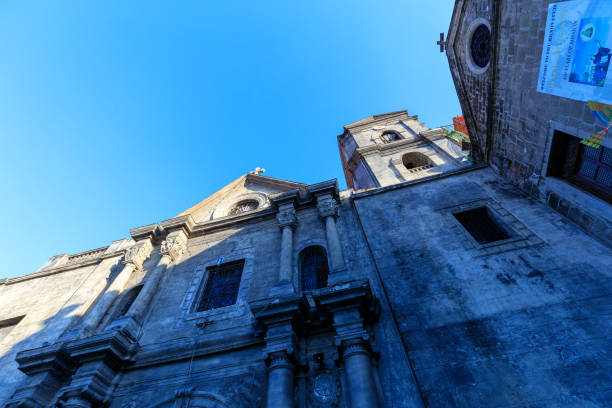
(118, 114)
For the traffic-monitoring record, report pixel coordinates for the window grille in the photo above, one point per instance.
(481, 225)
(585, 167)
(314, 268)
(221, 286)
(595, 168)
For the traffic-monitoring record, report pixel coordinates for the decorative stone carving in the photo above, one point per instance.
(286, 216)
(324, 390)
(139, 253)
(327, 206)
(174, 245)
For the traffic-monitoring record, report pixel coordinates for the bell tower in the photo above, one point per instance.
(392, 148)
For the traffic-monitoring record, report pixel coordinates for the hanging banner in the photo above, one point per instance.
(577, 50)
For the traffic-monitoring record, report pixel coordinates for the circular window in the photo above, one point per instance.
(480, 46)
(244, 206)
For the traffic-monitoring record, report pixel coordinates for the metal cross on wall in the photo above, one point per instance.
(442, 43)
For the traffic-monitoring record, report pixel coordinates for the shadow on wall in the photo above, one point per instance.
(192, 268)
(42, 334)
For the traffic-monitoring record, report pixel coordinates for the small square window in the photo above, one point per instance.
(482, 226)
(221, 286)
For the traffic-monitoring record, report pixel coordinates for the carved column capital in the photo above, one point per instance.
(327, 206)
(174, 245)
(139, 253)
(286, 216)
(280, 359)
(354, 347)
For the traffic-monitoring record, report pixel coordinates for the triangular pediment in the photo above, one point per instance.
(249, 188)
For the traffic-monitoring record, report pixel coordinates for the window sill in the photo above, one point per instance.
(579, 197)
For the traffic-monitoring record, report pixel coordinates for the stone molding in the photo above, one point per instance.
(184, 223)
(137, 254)
(151, 231)
(174, 245)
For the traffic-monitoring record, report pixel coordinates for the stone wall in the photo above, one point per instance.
(513, 124)
(513, 325)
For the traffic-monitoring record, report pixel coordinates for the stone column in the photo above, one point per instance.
(134, 257)
(278, 316)
(287, 222)
(280, 380)
(352, 340)
(328, 211)
(171, 249)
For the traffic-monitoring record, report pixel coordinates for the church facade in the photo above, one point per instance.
(432, 281)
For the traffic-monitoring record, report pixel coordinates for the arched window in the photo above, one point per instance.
(416, 160)
(390, 136)
(314, 269)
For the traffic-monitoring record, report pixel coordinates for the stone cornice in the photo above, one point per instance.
(54, 357)
(113, 346)
(289, 197)
(388, 148)
(184, 223)
(385, 117)
(151, 231)
(449, 173)
(233, 221)
(325, 187)
(61, 268)
(272, 182)
(184, 349)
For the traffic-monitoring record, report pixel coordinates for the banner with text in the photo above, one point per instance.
(577, 50)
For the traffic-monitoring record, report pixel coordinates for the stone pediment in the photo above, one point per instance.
(248, 191)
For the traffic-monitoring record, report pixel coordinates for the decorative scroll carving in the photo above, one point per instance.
(174, 245)
(327, 206)
(139, 253)
(286, 216)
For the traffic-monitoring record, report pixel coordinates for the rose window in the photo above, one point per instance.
(244, 206)
(480, 46)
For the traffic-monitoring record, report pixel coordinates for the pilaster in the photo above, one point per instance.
(287, 222)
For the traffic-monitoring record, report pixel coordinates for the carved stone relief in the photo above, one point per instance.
(324, 390)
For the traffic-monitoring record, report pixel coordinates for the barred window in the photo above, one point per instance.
(481, 225)
(314, 269)
(220, 289)
(586, 167)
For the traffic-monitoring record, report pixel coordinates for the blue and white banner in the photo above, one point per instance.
(577, 50)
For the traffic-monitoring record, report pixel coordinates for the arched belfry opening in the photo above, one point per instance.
(414, 160)
(314, 268)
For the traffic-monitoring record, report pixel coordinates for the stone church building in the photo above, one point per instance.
(434, 280)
